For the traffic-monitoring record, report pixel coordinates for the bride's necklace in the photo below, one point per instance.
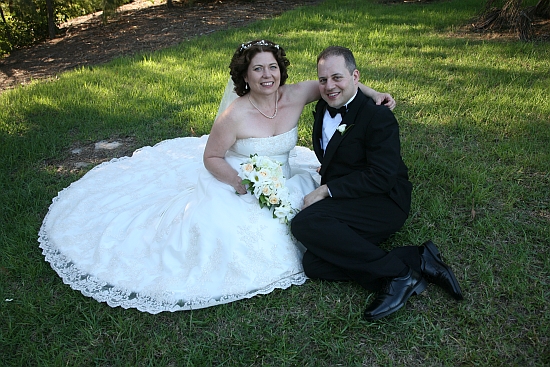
(269, 117)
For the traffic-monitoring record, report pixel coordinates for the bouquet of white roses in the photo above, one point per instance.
(264, 178)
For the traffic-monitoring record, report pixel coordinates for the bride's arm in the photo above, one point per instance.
(221, 138)
(309, 91)
(379, 98)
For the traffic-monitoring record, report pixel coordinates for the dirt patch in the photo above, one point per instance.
(84, 156)
(140, 26)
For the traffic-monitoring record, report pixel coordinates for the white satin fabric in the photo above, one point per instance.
(157, 232)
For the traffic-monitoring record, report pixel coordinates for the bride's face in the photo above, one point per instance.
(263, 75)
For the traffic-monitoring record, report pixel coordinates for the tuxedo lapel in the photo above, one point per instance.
(318, 129)
(331, 146)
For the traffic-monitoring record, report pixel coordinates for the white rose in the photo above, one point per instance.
(261, 161)
(277, 185)
(274, 199)
(282, 211)
(264, 175)
(246, 170)
(341, 128)
(266, 191)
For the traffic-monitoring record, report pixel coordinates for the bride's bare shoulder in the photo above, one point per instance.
(231, 117)
(235, 109)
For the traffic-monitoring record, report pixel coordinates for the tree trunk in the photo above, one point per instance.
(8, 32)
(51, 20)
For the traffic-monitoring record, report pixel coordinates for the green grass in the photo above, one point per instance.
(475, 126)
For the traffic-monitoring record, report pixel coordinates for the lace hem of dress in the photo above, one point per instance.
(114, 296)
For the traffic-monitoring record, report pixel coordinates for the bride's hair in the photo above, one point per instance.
(245, 53)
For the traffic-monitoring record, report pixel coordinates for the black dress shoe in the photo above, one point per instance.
(437, 272)
(395, 294)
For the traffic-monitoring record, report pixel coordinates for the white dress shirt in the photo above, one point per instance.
(329, 128)
(330, 124)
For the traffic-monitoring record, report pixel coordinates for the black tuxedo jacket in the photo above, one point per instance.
(366, 159)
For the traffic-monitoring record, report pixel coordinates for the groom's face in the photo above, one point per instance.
(336, 84)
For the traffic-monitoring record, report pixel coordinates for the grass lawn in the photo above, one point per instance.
(475, 125)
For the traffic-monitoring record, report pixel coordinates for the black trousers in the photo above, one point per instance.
(342, 237)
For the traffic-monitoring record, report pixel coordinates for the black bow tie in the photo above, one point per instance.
(334, 111)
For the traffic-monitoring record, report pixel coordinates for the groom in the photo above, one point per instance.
(364, 197)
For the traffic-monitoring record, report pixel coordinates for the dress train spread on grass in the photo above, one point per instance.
(157, 232)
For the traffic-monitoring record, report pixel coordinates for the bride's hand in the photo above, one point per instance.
(386, 99)
(239, 187)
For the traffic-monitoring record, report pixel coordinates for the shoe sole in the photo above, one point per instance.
(418, 288)
(457, 292)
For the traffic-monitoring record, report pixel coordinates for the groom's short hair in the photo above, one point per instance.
(339, 51)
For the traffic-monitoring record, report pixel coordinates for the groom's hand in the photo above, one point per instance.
(316, 195)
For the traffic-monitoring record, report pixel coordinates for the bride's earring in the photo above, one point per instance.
(246, 86)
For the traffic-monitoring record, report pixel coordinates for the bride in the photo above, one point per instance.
(172, 227)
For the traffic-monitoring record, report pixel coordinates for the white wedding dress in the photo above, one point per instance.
(157, 232)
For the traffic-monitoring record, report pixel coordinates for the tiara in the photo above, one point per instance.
(245, 46)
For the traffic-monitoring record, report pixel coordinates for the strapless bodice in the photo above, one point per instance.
(276, 147)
